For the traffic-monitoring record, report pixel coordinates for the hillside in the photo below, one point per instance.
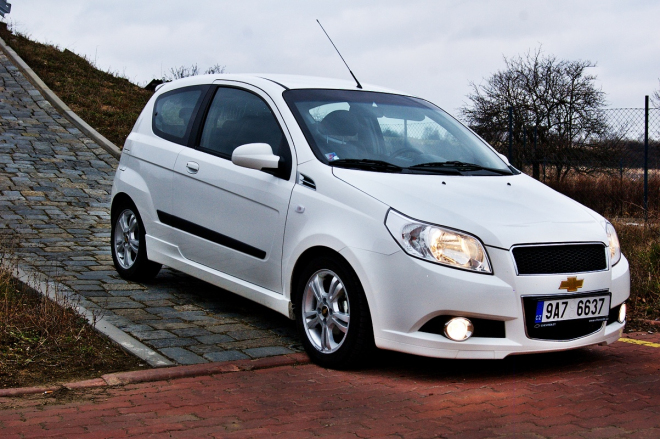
(108, 102)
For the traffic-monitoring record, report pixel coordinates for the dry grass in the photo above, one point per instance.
(45, 341)
(612, 195)
(641, 245)
(105, 100)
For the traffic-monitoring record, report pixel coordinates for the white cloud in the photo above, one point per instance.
(429, 48)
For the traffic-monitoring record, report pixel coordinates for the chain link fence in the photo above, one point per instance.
(609, 165)
(614, 169)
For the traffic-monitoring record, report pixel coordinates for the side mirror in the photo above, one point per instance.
(255, 156)
(503, 157)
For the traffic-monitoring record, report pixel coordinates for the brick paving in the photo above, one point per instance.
(54, 210)
(598, 392)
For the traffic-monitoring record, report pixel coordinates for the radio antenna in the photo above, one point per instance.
(342, 58)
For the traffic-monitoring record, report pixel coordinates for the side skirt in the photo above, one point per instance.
(168, 254)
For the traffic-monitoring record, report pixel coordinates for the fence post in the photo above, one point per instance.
(544, 163)
(621, 197)
(646, 158)
(535, 162)
(511, 135)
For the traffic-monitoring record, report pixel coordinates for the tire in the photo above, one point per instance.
(129, 248)
(332, 314)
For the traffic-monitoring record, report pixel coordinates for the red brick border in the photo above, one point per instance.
(164, 374)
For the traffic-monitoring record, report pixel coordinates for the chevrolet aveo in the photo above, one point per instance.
(371, 217)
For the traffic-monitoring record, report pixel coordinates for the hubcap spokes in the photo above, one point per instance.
(326, 311)
(127, 239)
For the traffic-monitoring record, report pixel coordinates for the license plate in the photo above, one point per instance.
(594, 308)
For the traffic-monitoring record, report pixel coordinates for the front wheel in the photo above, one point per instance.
(332, 314)
(129, 250)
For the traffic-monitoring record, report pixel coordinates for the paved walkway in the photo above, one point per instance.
(54, 208)
(599, 392)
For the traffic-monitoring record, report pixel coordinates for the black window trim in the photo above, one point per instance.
(193, 117)
(284, 169)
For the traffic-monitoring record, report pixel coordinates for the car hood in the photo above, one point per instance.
(501, 210)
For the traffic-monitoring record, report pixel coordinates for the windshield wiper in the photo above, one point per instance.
(366, 164)
(461, 166)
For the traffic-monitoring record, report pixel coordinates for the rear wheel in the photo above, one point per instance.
(129, 250)
(332, 314)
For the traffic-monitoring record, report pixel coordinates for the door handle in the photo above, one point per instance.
(192, 167)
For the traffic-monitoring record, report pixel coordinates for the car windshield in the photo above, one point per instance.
(372, 131)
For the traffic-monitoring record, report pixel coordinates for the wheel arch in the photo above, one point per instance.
(306, 256)
(315, 252)
(118, 200)
(122, 198)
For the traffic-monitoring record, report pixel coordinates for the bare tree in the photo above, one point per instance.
(554, 101)
(655, 98)
(193, 70)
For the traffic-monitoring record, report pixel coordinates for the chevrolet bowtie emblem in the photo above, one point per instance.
(571, 284)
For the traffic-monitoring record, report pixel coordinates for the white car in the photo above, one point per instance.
(371, 217)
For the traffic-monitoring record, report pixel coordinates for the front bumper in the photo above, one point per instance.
(404, 293)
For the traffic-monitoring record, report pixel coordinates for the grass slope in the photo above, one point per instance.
(109, 103)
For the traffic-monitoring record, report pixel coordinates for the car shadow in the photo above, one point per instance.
(224, 305)
(514, 366)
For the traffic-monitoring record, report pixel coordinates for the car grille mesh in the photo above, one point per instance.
(560, 259)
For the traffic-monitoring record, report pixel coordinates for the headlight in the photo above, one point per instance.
(615, 248)
(438, 244)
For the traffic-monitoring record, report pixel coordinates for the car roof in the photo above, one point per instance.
(275, 82)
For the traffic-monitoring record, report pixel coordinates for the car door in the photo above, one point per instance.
(232, 218)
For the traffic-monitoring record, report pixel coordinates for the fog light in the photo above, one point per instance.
(459, 329)
(622, 313)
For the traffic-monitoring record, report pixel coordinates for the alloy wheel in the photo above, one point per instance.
(325, 311)
(127, 238)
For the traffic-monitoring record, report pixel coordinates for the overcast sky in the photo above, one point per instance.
(429, 48)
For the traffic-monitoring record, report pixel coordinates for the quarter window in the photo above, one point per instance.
(173, 114)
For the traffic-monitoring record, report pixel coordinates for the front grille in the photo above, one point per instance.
(561, 330)
(560, 259)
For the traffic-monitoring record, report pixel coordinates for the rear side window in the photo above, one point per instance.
(174, 113)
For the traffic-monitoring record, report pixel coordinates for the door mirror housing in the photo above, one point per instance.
(255, 156)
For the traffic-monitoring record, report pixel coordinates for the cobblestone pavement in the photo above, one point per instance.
(54, 209)
(598, 392)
